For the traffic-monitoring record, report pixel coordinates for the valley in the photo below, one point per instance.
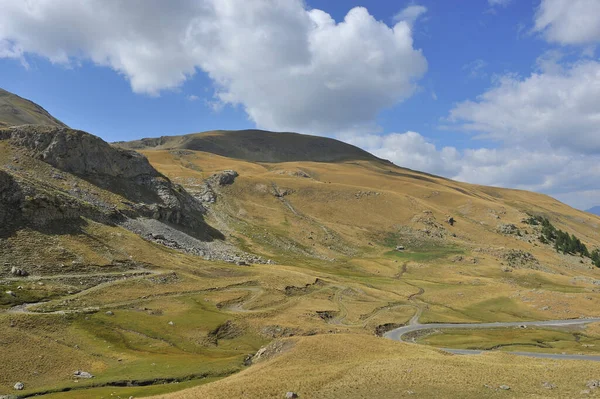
(200, 266)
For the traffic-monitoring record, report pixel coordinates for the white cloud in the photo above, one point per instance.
(476, 69)
(411, 13)
(410, 150)
(557, 107)
(502, 3)
(193, 97)
(289, 68)
(556, 172)
(569, 22)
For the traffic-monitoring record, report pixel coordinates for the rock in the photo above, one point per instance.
(11, 293)
(593, 384)
(171, 323)
(504, 387)
(126, 172)
(291, 395)
(517, 257)
(19, 386)
(451, 221)
(224, 178)
(507, 228)
(399, 248)
(18, 272)
(109, 313)
(548, 385)
(82, 374)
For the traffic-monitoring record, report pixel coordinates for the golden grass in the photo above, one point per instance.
(339, 226)
(344, 366)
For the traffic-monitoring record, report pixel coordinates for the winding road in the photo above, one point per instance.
(398, 333)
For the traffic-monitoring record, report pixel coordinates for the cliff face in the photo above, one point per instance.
(119, 183)
(78, 152)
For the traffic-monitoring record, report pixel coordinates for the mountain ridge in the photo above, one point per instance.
(16, 110)
(176, 264)
(257, 146)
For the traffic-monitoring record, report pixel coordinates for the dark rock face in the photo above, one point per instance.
(10, 198)
(123, 172)
(78, 152)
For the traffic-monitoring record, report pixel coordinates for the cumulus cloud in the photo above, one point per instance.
(410, 150)
(290, 68)
(557, 107)
(569, 22)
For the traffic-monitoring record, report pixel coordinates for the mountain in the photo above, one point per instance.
(257, 146)
(595, 210)
(229, 262)
(15, 110)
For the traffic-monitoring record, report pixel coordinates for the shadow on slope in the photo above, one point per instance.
(258, 146)
(125, 173)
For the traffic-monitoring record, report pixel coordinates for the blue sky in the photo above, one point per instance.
(495, 92)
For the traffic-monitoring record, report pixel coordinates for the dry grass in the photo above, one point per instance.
(338, 227)
(343, 366)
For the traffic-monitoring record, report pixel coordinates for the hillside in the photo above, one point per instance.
(251, 274)
(15, 110)
(257, 146)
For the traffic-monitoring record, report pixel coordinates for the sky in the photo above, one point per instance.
(494, 92)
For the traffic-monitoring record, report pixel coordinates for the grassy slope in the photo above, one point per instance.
(346, 366)
(15, 110)
(339, 226)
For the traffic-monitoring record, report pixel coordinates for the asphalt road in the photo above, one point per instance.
(398, 333)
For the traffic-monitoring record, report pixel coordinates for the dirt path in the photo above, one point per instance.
(26, 307)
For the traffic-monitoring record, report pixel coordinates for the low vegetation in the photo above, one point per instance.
(563, 241)
(305, 260)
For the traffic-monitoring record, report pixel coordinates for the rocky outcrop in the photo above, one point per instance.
(78, 152)
(507, 229)
(145, 191)
(224, 178)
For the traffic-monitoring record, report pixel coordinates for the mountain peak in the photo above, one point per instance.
(16, 110)
(258, 146)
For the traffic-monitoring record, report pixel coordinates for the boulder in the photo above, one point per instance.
(82, 374)
(15, 271)
(224, 178)
(399, 247)
(19, 386)
(504, 387)
(507, 229)
(291, 395)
